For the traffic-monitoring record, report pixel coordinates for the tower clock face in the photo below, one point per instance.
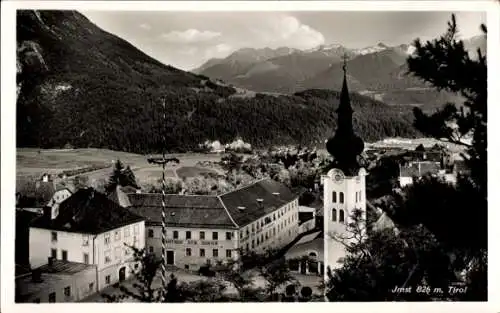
(338, 177)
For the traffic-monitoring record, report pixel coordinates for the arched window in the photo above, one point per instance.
(360, 196)
(356, 196)
(334, 197)
(334, 215)
(341, 197)
(341, 216)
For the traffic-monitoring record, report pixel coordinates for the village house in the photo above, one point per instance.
(203, 229)
(56, 281)
(90, 229)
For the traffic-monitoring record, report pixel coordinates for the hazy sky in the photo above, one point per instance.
(188, 39)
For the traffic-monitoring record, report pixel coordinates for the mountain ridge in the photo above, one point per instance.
(79, 85)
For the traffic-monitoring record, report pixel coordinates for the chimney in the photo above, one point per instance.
(259, 203)
(276, 194)
(241, 208)
(36, 276)
(50, 261)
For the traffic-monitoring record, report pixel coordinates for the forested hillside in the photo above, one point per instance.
(82, 86)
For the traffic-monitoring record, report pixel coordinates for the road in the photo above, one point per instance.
(184, 276)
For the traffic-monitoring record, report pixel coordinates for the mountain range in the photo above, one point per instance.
(379, 71)
(80, 86)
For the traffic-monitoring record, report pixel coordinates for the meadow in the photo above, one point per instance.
(97, 164)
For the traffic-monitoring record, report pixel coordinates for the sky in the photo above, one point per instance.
(188, 39)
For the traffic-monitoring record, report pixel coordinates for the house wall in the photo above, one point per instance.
(181, 244)
(96, 247)
(41, 244)
(82, 285)
(114, 254)
(281, 230)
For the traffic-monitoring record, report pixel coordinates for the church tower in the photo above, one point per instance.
(344, 184)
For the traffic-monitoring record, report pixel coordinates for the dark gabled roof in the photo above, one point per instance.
(88, 211)
(213, 211)
(247, 197)
(192, 211)
(36, 194)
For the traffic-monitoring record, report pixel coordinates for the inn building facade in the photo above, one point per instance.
(204, 229)
(89, 229)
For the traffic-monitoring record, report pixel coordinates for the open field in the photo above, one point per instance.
(32, 163)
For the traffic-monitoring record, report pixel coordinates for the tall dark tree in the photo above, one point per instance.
(120, 177)
(446, 65)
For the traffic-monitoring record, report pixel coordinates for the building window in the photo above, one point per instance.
(108, 279)
(126, 232)
(188, 234)
(188, 251)
(176, 234)
(67, 291)
(241, 234)
(215, 235)
(248, 248)
(107, 239)
(228, 235)
(118, 254)
(202, 235)
(85, 240)
(86, 258)
(334, 215)
(341, 216)
(258, 241)
(253, 244)
(52, 297)
(202, 252)
(64, 255)
(228, 253)
(53, 253)
(117, 235)
(53, 236)
(107, 256)
(91, 287)
(248, 232)
(253, 228)
(334, 197)
(341, 197)
(274, 217)
(215, 253)
(274, 231)
(151, 233)
(360, 196)
(151, 249)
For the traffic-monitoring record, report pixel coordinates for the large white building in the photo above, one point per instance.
(88, 228)
(203, 229)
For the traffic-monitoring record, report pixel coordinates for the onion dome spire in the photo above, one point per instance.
(345, 146)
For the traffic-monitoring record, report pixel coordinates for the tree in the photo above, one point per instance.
(446, 65)
(276, 274)
(120, 177)
(145, 273)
